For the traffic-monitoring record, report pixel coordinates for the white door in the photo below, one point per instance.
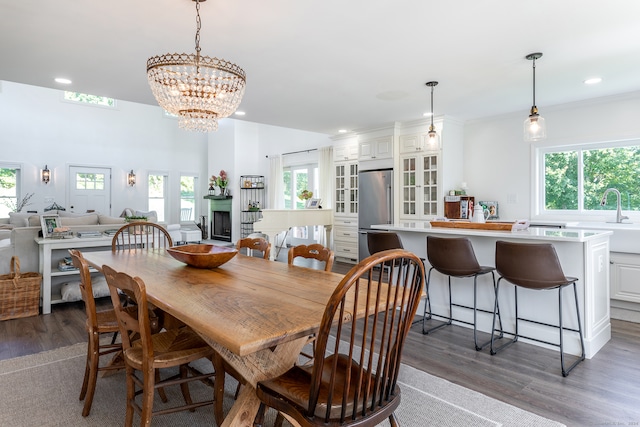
(89, 189)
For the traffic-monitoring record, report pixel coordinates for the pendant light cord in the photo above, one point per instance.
(534, 81)
(432, 106)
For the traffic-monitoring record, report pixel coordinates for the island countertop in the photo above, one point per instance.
(531, 233)
(583, 253)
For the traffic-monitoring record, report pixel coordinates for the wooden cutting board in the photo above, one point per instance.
(492, 225)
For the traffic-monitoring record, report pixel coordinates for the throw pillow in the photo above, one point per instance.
(34, 221)
(19, 219)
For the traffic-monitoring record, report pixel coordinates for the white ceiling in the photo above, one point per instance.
(337, 64)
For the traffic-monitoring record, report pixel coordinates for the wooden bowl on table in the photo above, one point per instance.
(202, 255)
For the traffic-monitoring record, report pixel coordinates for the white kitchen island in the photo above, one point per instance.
(583, 254)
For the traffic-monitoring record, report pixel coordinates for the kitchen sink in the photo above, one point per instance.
(625, 238)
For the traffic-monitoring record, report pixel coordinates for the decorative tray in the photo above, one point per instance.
(489, 225)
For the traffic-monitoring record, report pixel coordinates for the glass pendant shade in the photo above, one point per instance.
(535, 128)
(433, 139)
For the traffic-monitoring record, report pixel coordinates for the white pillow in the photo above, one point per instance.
(71, 291)
(20, 219)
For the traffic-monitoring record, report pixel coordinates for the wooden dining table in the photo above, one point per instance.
(257, 314)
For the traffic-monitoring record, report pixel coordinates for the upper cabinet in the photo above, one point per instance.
(426, 173)
(415, 143)
(345, 152)
(378, 148)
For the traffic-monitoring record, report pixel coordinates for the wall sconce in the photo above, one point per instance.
(131, 178)
(46, 174)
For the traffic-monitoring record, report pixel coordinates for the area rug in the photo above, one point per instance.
(42, 390)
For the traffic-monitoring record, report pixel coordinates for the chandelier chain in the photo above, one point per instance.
(198, 25)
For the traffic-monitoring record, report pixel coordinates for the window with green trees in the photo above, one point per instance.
(86, 98)
(576, 179)
(187, 198)
(8, 190)
(158, 194)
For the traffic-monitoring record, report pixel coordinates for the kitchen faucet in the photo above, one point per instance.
(619, 216)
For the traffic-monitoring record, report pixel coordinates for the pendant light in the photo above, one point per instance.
(535, 128)
(199, 89)
(433, 140)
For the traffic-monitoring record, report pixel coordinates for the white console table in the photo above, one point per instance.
(49, 262)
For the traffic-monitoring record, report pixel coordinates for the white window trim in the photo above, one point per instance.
(538, 211)
(166, 192)
(196, 196)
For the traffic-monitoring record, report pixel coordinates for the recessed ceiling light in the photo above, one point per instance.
(428, 114)
(593, 80)
(240, 113)
(343, 131)
(63, 81)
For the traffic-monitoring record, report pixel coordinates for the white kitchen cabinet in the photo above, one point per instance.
(378, 148)
(345, 226)
(415, 143)
(346, 188)
(345, 152)
(345, 238)
(419, 186)
(625, 277)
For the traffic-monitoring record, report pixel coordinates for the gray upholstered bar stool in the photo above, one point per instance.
(454, 257)
(536, 266)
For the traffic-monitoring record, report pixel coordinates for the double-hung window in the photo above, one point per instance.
(9, 188)
(188, 198)
(158, 184)
(572, 179)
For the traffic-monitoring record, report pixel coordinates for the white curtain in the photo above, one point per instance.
(325, 175)
(275, 183)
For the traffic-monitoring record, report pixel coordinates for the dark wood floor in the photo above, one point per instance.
(602, 391)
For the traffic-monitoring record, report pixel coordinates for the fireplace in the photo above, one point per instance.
(221, 225)
(220, 217)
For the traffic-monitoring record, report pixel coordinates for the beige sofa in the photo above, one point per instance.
(22, 229)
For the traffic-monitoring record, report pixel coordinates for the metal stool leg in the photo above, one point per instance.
(427, 305)
(565, 372)
(475, 311)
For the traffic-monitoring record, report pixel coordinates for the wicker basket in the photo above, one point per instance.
(19, 293)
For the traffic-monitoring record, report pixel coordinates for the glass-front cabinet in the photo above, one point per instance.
(346, 188)
(419, 185)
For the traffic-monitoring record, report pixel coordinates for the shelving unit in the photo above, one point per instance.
(51, 252)
(252, 201)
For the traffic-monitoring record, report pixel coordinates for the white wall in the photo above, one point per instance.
(241, 148)
(37, 127)
(498, 162)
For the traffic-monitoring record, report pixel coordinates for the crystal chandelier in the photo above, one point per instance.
(198, 89)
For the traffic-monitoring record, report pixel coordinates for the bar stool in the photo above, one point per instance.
(379, 241)
(536, 266)
(454, 257)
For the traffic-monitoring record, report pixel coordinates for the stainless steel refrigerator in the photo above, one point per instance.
(375, 203)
